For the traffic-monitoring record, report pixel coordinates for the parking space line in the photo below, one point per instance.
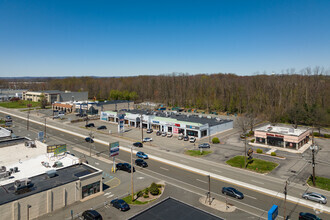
(257, 182)
(164, 168)
(250, 197)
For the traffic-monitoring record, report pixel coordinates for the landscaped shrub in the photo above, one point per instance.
(273, 154)
(259, 151)
(146, 191)
(159, 185)
(154, 190)
(326, 135)
(139, 194)
(215, 140)
(252, 140)
(316, 134)
(251, 133)
(145, 196)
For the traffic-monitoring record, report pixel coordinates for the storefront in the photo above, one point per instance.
(90, 189)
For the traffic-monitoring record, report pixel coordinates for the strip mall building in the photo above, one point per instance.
(282, 137)
(176, 123)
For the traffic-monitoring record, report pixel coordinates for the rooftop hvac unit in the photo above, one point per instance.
(51, 173)
(200, 116)
(3, 169)
(30, 144)
(291, 130)
(22, 186)
(4, 175)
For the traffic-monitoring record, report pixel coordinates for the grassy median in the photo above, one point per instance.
(257, 165)
(320, 182)
(197, 153)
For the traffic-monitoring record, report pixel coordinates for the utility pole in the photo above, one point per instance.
(285, 193)
(313, 156)
(209, 130)
(141, 128)
(132, 173)
(45, 130)
(245, 164)
(90, 143)
(209, 189)
(28, 118)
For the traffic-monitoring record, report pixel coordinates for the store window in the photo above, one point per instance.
(90, 189)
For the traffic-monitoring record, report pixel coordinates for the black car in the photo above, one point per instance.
(91, 215)
(125, 167)
(149, 131)
(158, 133)
(89, 140)
(186, 138)
(230, 191)
(90, 125)
(141, 163)
(204, 145)
(137, 144)
(308, 216)
(102, 127)
(120, 204)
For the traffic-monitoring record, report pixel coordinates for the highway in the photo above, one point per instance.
(255, 201)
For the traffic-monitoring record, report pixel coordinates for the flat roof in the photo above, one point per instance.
(42, 182)
(281, 130)
(171, 208)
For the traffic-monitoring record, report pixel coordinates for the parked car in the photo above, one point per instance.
(89, 140)
(180, 137)
(307, 216)
(158, 133)
(164, 134)
(141, 163)
(186, 138)
(91, 215)
(315, 197)
(204, 145)
(8, 117)
(90, 125)
(192, 139)
(149, 131)
(147, 139)
(169, 134)
(137, 144)
(142, 155)
(230, 191)
(120, 204)
(124, 166)
(102, 127)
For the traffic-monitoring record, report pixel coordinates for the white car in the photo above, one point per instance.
(147, 139)
(169, 134)
(192, 139)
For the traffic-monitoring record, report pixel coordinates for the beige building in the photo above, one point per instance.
(55, 96)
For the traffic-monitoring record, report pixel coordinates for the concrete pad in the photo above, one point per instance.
(218, 205)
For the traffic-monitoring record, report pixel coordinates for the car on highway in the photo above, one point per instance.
(149, 131)
(158, 133)
(164, 134)
(90, 125)
(307, 216)
(120, 204)
(91, 215)
(142, 155)
(102, 127)
(169, 134)
(315, 197)
(141, 163)
(89, 140)
(147, 139)
(192, 139)
(124, 166)
(137, 144)
(230, 191)
(204, 145)
(186, 138)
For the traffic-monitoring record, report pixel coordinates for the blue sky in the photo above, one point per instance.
(126, 38)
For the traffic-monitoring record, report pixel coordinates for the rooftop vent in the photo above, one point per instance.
(200, 116)
(51, 173)
(3, 169)
(291, 130)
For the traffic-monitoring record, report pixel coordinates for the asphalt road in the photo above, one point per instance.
(254, 202)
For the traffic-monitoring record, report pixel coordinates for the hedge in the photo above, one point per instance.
(215, 140)
(259, 151)
(273, 153)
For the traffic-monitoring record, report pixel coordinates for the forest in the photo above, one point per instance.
(297, 98)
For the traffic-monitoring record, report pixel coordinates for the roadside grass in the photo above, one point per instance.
(320, 182)
(257, 165)
(197, 153)
(19, 104)
(128, 200)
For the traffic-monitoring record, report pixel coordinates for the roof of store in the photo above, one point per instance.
(281, 130)
(171, 208)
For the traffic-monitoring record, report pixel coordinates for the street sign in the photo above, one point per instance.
(41, 136)
(273, 212)
(114, 149)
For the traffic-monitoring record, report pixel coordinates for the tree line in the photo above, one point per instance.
(294, 97)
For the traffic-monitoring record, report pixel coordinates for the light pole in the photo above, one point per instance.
(141, 124)
(285, 193)
(45, 130)
(90, 142)
(132, 184)
(313, 148)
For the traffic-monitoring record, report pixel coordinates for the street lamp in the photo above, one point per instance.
(313, 148)
(132, 185)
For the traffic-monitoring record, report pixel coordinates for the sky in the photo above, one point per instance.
(135, 37)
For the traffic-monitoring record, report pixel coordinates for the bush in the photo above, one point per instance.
(145, 196)
(252, 140)
(215, 140)
(146, 191)
(159, 185)
(316, 134)
(154, 191)
(326, 135)
(259, 151)
(251, 133)
(139, 194)
(273, 154)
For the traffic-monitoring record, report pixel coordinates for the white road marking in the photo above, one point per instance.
(257, 182)
(184, 161)
(108, 193)
(97, 163)
(201, 181)
(250, 197)
(140, 178)
(62, 135)
(217, 170)
(110, 196)
(76, 139)
(163, 168)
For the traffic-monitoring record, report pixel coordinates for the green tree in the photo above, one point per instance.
(43, 101)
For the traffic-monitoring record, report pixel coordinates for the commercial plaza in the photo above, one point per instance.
(176, 123)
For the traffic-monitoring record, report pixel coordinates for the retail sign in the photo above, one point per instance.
(276, 135)
(178, 125)
(41, 136)
(273, 212)
(121, 120)
(175, 130)
(60, 149)
(51, 148)
(270, 134)
(114, 149)
(156, 122)
(192, 127)
(104, 116)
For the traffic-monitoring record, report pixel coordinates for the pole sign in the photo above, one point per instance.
(114, 149)
(273, 212)
(121, 119)
(41, 136)
(60, 149)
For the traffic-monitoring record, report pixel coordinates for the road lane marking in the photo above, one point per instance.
(163, 168)
(250, 197)
(184, 161)
(62, 135)
(217, 170)
(76, 139)
(201, 181)
(257, 182)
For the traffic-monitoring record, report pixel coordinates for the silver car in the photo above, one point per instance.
(315, 197)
